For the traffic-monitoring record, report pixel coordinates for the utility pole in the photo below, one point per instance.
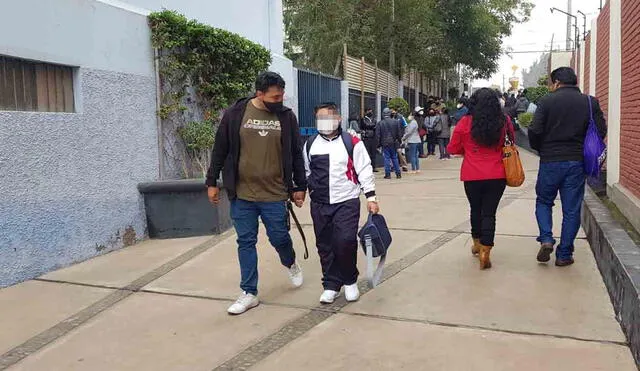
(392, 52)
(569, 25)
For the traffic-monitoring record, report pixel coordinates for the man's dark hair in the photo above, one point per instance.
(368, 109)
(268, 79)
(565, 76)
(328, 105)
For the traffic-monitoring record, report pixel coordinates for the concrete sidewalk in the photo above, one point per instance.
(161, 305)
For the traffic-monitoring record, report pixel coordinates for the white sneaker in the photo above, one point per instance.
(351, 292)
(245, 302)
(295, 275)
(329, 296)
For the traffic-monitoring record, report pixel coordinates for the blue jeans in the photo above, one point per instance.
(421, 147)
(414, 160)
(391, 158)
(245, 220)
(569, 179)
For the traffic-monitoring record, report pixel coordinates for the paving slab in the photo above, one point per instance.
(216, 273)
(159, 332)
(121, 267)
(517, 294)
(357, 343)
(31, 307)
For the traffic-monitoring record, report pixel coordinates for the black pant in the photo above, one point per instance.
(484, 197)
(336, 229)
(432, 141)
(372, 148)
(443, 143)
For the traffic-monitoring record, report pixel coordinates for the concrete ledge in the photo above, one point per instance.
(618, 259)
(627, 203)
(180, 208)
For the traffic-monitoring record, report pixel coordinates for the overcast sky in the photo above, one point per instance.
(536, 35)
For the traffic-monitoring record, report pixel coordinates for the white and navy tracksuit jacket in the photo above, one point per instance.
(335, 183)
(332, 176)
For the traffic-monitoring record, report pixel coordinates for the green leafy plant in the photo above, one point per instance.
(400, 105)
(202, 70)
(198, 138)
(525, 119)
(534, 94)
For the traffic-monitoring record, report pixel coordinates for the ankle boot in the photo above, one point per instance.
(475, 249)
(485, 261)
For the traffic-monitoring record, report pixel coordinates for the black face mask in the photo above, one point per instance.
(274, 107)
(369, 114)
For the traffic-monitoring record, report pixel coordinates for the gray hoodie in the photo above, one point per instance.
(411, 134)
(446, 127)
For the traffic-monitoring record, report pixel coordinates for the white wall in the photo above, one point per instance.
(560, 59)
(68, 181)
(615, 92)
(81, 33)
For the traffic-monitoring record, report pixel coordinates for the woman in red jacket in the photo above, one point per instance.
(479, 137)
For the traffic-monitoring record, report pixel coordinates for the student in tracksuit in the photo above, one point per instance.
(335, 184)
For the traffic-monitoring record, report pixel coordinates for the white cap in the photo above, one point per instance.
(418, 109)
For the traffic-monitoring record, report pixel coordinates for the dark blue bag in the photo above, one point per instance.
(375, 240)
(595, 150)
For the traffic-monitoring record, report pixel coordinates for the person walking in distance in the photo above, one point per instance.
(368, 130)
(338, 169)
(479, 137)
(389, 137)
(257, 150)
(432, 123)
(558, 133)
(444, 135)
(412, 139)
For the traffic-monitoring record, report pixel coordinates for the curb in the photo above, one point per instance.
(618, 259)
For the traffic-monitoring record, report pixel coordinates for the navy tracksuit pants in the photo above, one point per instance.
(336, 229)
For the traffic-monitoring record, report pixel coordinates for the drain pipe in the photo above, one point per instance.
(156, 57)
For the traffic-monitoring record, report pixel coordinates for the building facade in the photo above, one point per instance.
(78, 124)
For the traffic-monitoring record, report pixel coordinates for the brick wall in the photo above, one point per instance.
(587, 63)
(578, 60)
(602, 62)
(630, 103)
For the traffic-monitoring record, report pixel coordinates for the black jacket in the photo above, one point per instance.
(560, 125)
(226, 150)
(368, 127)
(389, 133)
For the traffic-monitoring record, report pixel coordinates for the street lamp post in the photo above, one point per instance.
(584, 16)
(575, 18)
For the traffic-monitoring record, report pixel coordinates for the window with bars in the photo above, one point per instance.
(35, 86)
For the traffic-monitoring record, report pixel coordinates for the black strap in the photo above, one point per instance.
(304, 238)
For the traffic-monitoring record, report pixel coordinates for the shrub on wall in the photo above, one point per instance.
(400, 105)
(202, 69)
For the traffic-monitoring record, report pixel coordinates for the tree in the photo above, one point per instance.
(428, 35)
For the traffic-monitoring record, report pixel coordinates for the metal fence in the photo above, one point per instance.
(314, 88)
(355, 102)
